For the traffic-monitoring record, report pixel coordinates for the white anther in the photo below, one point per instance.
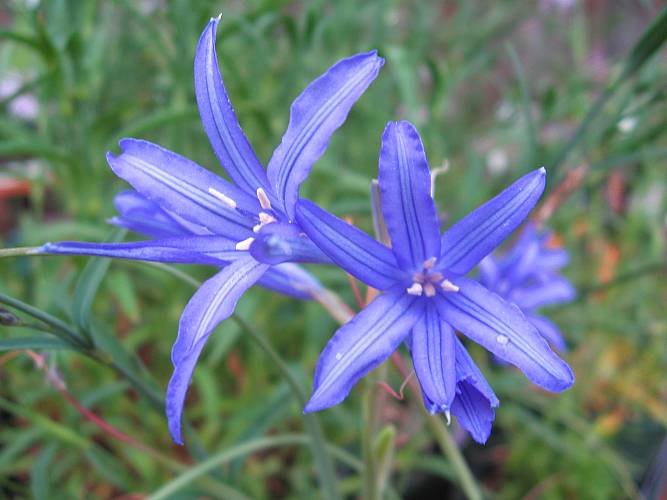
(256, 228)
(448, 416)
(429, 289)
(448, 286)
(264, 201)
(245, 244)
(429, 263)
(222, 197)
(415, 289)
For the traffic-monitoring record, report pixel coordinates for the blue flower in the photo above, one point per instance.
(426, 294)
(528, 276)
(195, 216)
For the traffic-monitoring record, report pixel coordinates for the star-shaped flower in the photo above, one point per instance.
(198, 217)
(527, 275)
(427, 296)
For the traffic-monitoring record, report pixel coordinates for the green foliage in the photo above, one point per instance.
(496, 88)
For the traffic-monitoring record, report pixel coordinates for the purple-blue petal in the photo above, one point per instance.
(352, 249)
(361, 344)
(407, 205)
(292, 280)
(220, 123)
(501, 328)
(553, 290)
(549, 330)
(315, 115)
(209, 250)
(284, 242)
(467, 369)
(433, 357)
(181, 186)
(473, 411)
(213, 302)
(142, 216)
(476, 235)
(475, 400)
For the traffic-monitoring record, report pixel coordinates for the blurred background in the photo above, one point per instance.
(495, 88)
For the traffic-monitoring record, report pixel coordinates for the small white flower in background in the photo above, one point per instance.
(627, 124)
(24, 106)
(650, 201)
(497, 161)
(560, 5)
(504, 111)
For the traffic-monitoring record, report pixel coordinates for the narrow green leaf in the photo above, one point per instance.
(383, 455)
(33, 342)
(40, 476)
(89, 282)
(649, 44)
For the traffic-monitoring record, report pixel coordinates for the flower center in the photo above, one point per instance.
(266, 216)
(427, 281)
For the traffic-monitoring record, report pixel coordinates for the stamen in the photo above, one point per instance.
(245, 244)
(429, 263)
(415, 289)
(264, 201)
(429, 289)
(448, 416)
(222, 197)
(265, 218)
(257, 227)
(448, 286)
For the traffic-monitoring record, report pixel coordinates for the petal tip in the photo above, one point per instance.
(542, 170)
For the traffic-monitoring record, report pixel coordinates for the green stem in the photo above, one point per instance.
(323, 464)
(19, 251)
(368, 418)
(449, 447)
(59, 328)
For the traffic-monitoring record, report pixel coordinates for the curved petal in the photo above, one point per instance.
(475, 400)
(474, 411)
(361, 344)
(554, 290)
(407, 205)
(467, 370)
(489, 272)
(142, 216)
(352, 249)
(315, 115)
(549, 330)
(220, 123)
(213, 302)
(284, 242)
(552, 259)
(181, 186)
(501, 328)
(292, 280)
(209, 250)
(433, 357)
(478, 233)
